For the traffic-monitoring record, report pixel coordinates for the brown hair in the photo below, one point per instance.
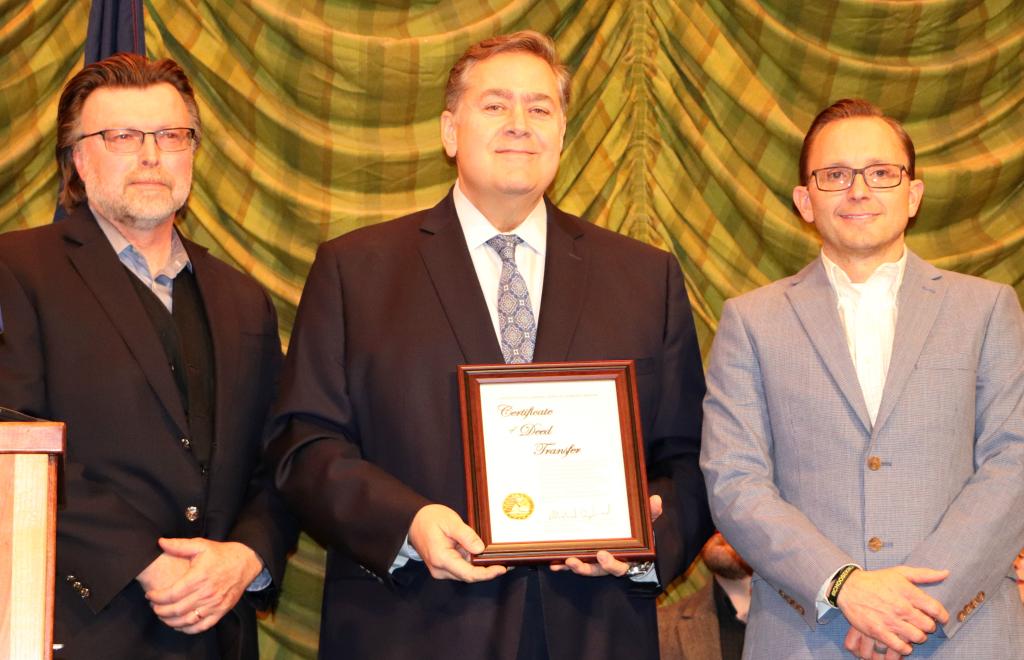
(847, 109)
(119, 70)
(525, 41)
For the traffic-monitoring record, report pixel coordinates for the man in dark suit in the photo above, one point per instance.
(368, 448)
(162, 361)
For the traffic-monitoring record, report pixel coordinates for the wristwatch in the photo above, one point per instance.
(636, 569)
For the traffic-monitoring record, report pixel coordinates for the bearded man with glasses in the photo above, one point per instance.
(162, 361)
(863, 438)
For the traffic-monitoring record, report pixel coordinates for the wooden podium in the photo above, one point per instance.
(29, 455)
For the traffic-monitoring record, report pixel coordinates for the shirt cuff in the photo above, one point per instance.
(261, 581)
(820, 602)
(405, 553)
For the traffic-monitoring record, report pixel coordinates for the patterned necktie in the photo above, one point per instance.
(516, 324)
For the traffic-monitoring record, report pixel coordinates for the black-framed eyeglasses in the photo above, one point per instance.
(130, 140)
(881, 175)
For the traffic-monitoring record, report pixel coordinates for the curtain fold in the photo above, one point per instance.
(41, 46)
(684, 132)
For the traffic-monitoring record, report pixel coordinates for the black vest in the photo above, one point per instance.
(185, 336)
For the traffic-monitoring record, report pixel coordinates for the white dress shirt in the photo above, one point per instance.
(868, 312)
(529, 254)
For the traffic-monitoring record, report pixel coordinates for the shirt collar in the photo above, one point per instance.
(478, 229)
(888, 276)
(126, 252)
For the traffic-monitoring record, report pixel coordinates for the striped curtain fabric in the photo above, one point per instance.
(685, 125)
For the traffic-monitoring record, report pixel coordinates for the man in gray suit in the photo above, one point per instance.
(864, 426)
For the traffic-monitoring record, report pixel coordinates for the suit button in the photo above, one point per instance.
(961, 616)
(874, 544)
(186, 444)
(84, 592)
(192, 513)
(874, 463)
(69, 579)
(980, 597)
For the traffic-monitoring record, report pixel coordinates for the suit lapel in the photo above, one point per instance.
(224, 331)
(565, 279)
(91, 255)
(814, 302)
(920, 298)
(444, 253)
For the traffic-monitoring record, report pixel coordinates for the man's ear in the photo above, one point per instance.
(914, 197)
(76, 158)
(802, 202)
(449, 138)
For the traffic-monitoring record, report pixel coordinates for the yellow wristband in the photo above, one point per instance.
(837, 584)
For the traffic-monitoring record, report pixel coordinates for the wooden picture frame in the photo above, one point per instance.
(554, 462)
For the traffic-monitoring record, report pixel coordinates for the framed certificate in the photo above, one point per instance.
(555, 461)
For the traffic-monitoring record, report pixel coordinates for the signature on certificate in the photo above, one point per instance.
(588, 513)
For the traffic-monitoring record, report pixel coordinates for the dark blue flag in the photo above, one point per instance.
(115, 26)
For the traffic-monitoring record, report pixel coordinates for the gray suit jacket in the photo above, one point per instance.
(801, 483)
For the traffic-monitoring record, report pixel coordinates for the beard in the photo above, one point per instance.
(141, 209)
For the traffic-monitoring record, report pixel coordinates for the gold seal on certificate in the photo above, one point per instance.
(517, 506)
(567, 433)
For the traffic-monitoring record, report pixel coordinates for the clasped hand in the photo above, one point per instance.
(195, 582)
(445, 543)
(887, 611)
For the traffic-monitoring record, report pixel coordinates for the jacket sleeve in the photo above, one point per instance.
(105, 542)
(980, 532)
(264, 523)
(342, 500)
(673, 451)
(782, 544)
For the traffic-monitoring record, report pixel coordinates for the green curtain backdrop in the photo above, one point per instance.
(684, 131)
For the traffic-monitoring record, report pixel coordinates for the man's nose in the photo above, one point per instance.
(149, 152)
(517, 121)
(859, 187)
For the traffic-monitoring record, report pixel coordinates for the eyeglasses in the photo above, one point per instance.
(130, 140)
(882, 175)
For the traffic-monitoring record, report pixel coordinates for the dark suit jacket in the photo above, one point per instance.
(78, 347)
(369, 430)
